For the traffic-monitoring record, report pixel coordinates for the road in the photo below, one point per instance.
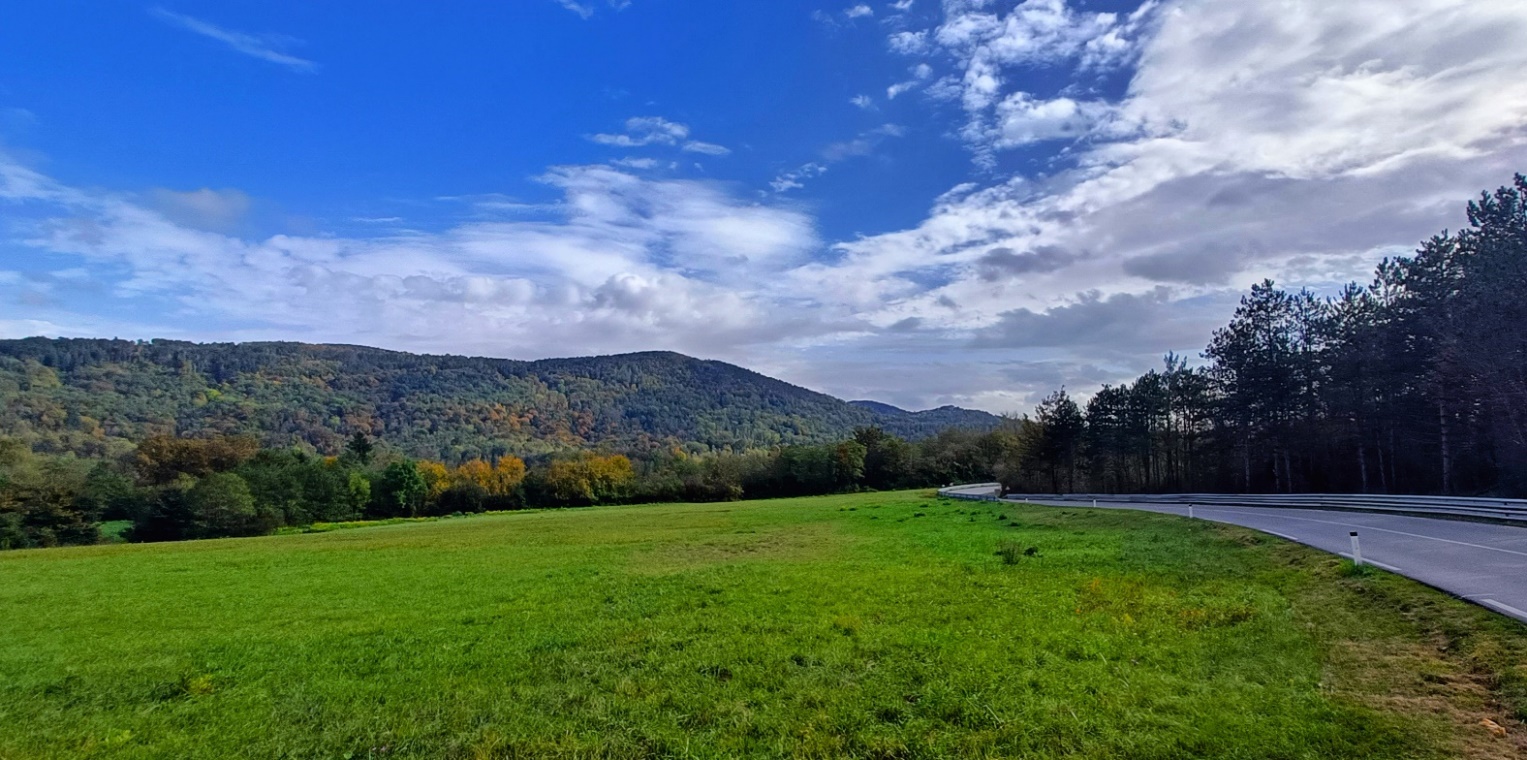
(1483, 563)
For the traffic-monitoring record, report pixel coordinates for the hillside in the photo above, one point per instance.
(95, 396)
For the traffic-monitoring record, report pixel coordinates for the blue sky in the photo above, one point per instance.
(922, 202)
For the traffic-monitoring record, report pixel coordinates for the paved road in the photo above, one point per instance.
(1481, 562)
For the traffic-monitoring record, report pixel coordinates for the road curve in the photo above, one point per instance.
(1482, 563)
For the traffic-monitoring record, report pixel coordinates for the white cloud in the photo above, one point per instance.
(920, 73)
(1020, 119)
(859, 11)
(709, 149)
(910, 43)
(862, 145)
(585, 9)
(795, 179)
(655, 130)
(217, 210)
(635, 163)
(645, 130)
(582, 9)
(985, 44)
(863, 102)
(265, 47)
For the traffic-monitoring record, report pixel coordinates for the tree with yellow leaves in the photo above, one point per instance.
(590, 478)
(437, 477)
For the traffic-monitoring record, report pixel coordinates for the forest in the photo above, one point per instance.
(1415, 383)
(98, 398)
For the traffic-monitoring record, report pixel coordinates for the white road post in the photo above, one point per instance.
(1094, 503)
(1190, 511)
(1357, 551)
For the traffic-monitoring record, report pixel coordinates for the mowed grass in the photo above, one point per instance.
(876, 625)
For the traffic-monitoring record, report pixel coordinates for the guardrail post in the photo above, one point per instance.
(1357, 551)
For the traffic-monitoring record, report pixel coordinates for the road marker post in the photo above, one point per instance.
(1357, 551)
(1190, 511)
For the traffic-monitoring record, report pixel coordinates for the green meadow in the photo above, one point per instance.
(891, 625)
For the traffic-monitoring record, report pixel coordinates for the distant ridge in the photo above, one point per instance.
(96, 397)
(939, 418)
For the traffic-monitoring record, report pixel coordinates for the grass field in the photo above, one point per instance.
(875, 625)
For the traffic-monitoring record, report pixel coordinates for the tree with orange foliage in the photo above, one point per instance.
(475, 472)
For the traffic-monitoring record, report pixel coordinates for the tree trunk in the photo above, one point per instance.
(1362, 464)
(1447, 456)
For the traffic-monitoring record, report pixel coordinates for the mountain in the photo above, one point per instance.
(933, 420)
(96, 397)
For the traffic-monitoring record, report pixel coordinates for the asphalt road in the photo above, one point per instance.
(1483, 563)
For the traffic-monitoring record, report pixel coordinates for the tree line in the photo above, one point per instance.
(1415, 383)
(176, 488)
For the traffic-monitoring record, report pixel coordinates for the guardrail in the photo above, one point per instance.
(1511, 510)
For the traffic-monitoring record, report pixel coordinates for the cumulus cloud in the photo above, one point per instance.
(986, 45)
(1021, 119)
(911, 43)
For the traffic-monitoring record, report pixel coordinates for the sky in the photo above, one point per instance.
(965, 202)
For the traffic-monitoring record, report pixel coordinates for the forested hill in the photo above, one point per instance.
(932, 420)
(97, 396)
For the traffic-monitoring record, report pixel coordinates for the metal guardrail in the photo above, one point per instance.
(961, 492)
(1511, 510)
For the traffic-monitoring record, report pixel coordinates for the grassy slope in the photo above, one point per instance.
(825, 627)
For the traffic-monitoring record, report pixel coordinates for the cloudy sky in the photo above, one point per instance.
(968, 202)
